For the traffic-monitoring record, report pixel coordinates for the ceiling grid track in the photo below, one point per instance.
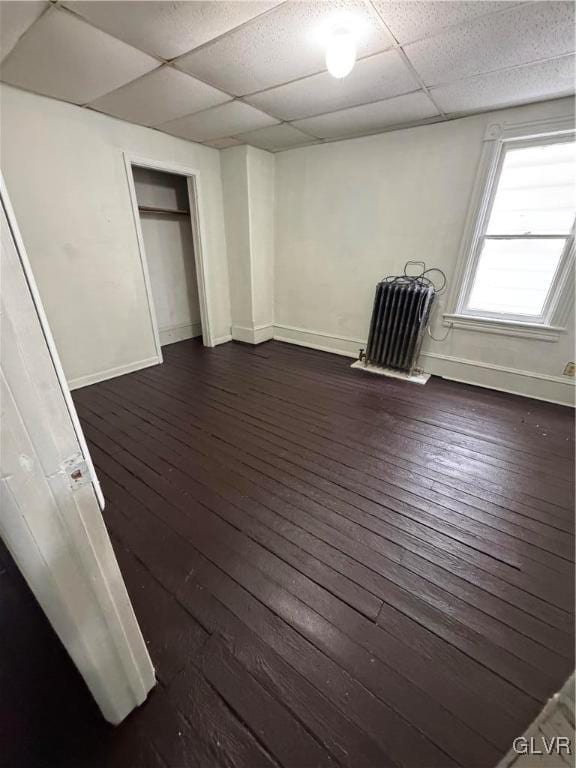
(399, 79)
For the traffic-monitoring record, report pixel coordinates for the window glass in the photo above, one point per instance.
(536, 191)
(528, 229)
(514, 276)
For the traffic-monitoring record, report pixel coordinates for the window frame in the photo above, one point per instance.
(551, 322)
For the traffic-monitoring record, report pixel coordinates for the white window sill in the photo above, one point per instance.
(536, 331)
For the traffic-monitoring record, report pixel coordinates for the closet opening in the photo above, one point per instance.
(165, 208)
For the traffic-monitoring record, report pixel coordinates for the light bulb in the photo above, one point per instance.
(340, 53)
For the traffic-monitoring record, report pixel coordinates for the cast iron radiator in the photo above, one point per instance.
(402, 307)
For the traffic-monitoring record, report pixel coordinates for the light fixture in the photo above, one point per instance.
(340, 52)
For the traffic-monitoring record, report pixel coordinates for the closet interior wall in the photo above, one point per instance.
(167, 231)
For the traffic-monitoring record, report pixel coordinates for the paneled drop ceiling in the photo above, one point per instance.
(225, 73)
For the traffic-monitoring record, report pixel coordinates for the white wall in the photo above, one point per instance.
(346, 214)
(169, 250)
(65, 174)
(159, 189)
(349, 213)
(170, 255)
(261, 189)
(248, 180)
(236, 207)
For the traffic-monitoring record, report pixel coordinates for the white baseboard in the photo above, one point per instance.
(111, 373)
(255, 335)
(540, 386)
(553, 389)
(222, 339)
(337, 345)
(180, 333)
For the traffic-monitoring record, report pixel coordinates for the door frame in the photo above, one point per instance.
(194, 186)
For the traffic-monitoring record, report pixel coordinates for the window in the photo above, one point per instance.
(518, 257)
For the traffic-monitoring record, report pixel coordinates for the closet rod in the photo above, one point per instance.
(172, 211)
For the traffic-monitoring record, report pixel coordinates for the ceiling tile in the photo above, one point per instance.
(283, 45)
(162, 95)
(15, 18)
(169, 29)
(64, 57)
(372, 79)
(219, 122)
(520, 35)
(419, 19)
(276, 137)
(223, 143)
(533, 82)
(400, 110)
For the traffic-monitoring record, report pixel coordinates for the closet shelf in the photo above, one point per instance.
(168, 211)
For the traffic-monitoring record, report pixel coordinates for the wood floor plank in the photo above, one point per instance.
(479, 447)
(277, 728)
(349, 487)
(508, 612)
(172, 636)
(423, 482)
(221, 482)
(150, 539)
(205, 724)
(348, 745)
(501, 410)
(334, 612)
(472, 522)
(524, 509)
(330, 569)
(345, 588)
(288, 383)
(479, 648)
(373, 674)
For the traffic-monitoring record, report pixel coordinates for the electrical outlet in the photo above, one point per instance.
(570, 369)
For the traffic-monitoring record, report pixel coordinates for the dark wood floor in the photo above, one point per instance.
(329, 568)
